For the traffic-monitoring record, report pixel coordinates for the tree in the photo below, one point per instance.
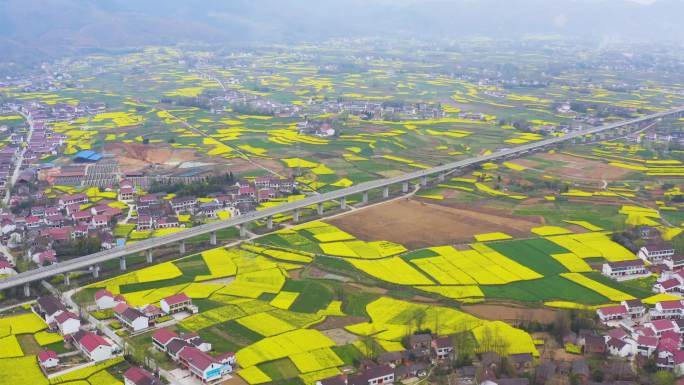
(561, 326)
(663, 377)
(464, 348)
(371, 348)
(598, 375)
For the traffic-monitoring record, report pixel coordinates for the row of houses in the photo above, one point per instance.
(59, 319)
(191, 352)
(659, 339)
(142, 318)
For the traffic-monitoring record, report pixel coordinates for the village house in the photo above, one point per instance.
(167, 222)
(162, 338)
(635, 308)
(131, 317)
(667, 310)
(71, 199)
(668, 286)
(646, 345)
(177, 303)
(126, 191)
(93, 346)
(196, 341)
(99, 221)
(658, 327)
(6, 268)
(619, 348)
(675, 262)
(139, 376)
(45, 257)
(49, 307)
(174, 348)
(104, 299)
(205, 367)
(147, 201)
(82, 216)
(144, 223)
(594, 344)
(183, 204)
(79, 231)
(48, 359)
(392, 358)
(381, 374)
(625, 270)
(442, 347)
(340, 379)
(611, 313)
(522, 362)
(656, 252)
(67, 323)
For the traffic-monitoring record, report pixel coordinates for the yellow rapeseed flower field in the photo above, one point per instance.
(283, 345)
(606, 291)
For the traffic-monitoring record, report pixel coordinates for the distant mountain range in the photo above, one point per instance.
(34, 29)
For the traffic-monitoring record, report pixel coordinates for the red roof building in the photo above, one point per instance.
(139, 376)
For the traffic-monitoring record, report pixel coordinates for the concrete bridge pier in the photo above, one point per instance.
(442, 177)
(269, 223)
(122, 263)
(405, 187)
(423, 181)
(295, 216)
(243, 231)
(212, 238)
(343, 203)
(182, 247)
(148, 254)
(96, 271)
(364, 198)
(67, 280)
(27, 290)
(320, 209)
(385, 192)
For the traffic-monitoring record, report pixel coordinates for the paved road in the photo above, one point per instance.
(19, 161)
(103, 256)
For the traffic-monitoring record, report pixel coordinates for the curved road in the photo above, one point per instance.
(103, 256)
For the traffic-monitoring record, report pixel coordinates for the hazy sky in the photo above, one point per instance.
(30, 29)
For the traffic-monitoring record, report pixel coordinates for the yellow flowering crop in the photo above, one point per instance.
(9, 347)
(394, 270)
(606, 291)
(572, 262)
(284, 299)
(283, 345)
(253, 375)
(265, 324)
(316, 360)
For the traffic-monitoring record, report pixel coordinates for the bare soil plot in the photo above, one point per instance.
(135, 155)
(340, 336)
(581, 168)
(510, 313)
(416, 224)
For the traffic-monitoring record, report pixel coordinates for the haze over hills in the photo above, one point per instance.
(41, 28)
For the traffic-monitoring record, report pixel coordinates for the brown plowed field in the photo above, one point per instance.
(578, 168)
(510, 313)
(417, 224)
